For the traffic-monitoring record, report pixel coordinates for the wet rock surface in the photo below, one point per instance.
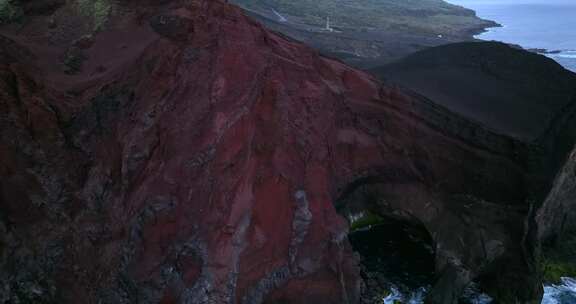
(394, 255)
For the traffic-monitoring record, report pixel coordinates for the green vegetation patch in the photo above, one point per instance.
(10, 11)
(553, 271)
(73, 60)
(366, 219)
(98, 10)
(559, 261)
(428, 16)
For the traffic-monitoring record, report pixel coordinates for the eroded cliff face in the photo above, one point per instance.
(182, 153)
(557, 216)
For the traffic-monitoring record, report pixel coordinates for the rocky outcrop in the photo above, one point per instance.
(554, 226)
(196, 157)
(557, 217)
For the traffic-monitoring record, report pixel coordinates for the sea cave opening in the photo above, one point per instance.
(397, 257)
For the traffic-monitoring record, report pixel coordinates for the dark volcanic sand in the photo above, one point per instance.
(512, 91)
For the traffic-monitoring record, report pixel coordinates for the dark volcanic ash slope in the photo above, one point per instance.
(178, 152)
(512, 91)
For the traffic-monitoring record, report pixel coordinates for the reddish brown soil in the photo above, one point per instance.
(195, 158)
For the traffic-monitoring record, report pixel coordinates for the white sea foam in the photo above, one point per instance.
(415, 297)
(418, 296)
(564, 293)
(393, 297)
(565, 58)
(568, 54)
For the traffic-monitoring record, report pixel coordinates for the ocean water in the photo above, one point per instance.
(564, 293)
(397, 257)
(538, 24)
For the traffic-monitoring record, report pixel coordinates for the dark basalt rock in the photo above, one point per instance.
(172, 26)
(556, 218)
(41, 7)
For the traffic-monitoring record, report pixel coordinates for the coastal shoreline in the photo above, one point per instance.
(378, 41)
(533, 27)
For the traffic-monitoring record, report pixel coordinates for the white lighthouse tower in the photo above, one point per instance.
(328, 27)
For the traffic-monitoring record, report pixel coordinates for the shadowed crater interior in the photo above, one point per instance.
(396, 250)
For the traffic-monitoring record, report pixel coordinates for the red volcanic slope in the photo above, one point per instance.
(195, 158)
